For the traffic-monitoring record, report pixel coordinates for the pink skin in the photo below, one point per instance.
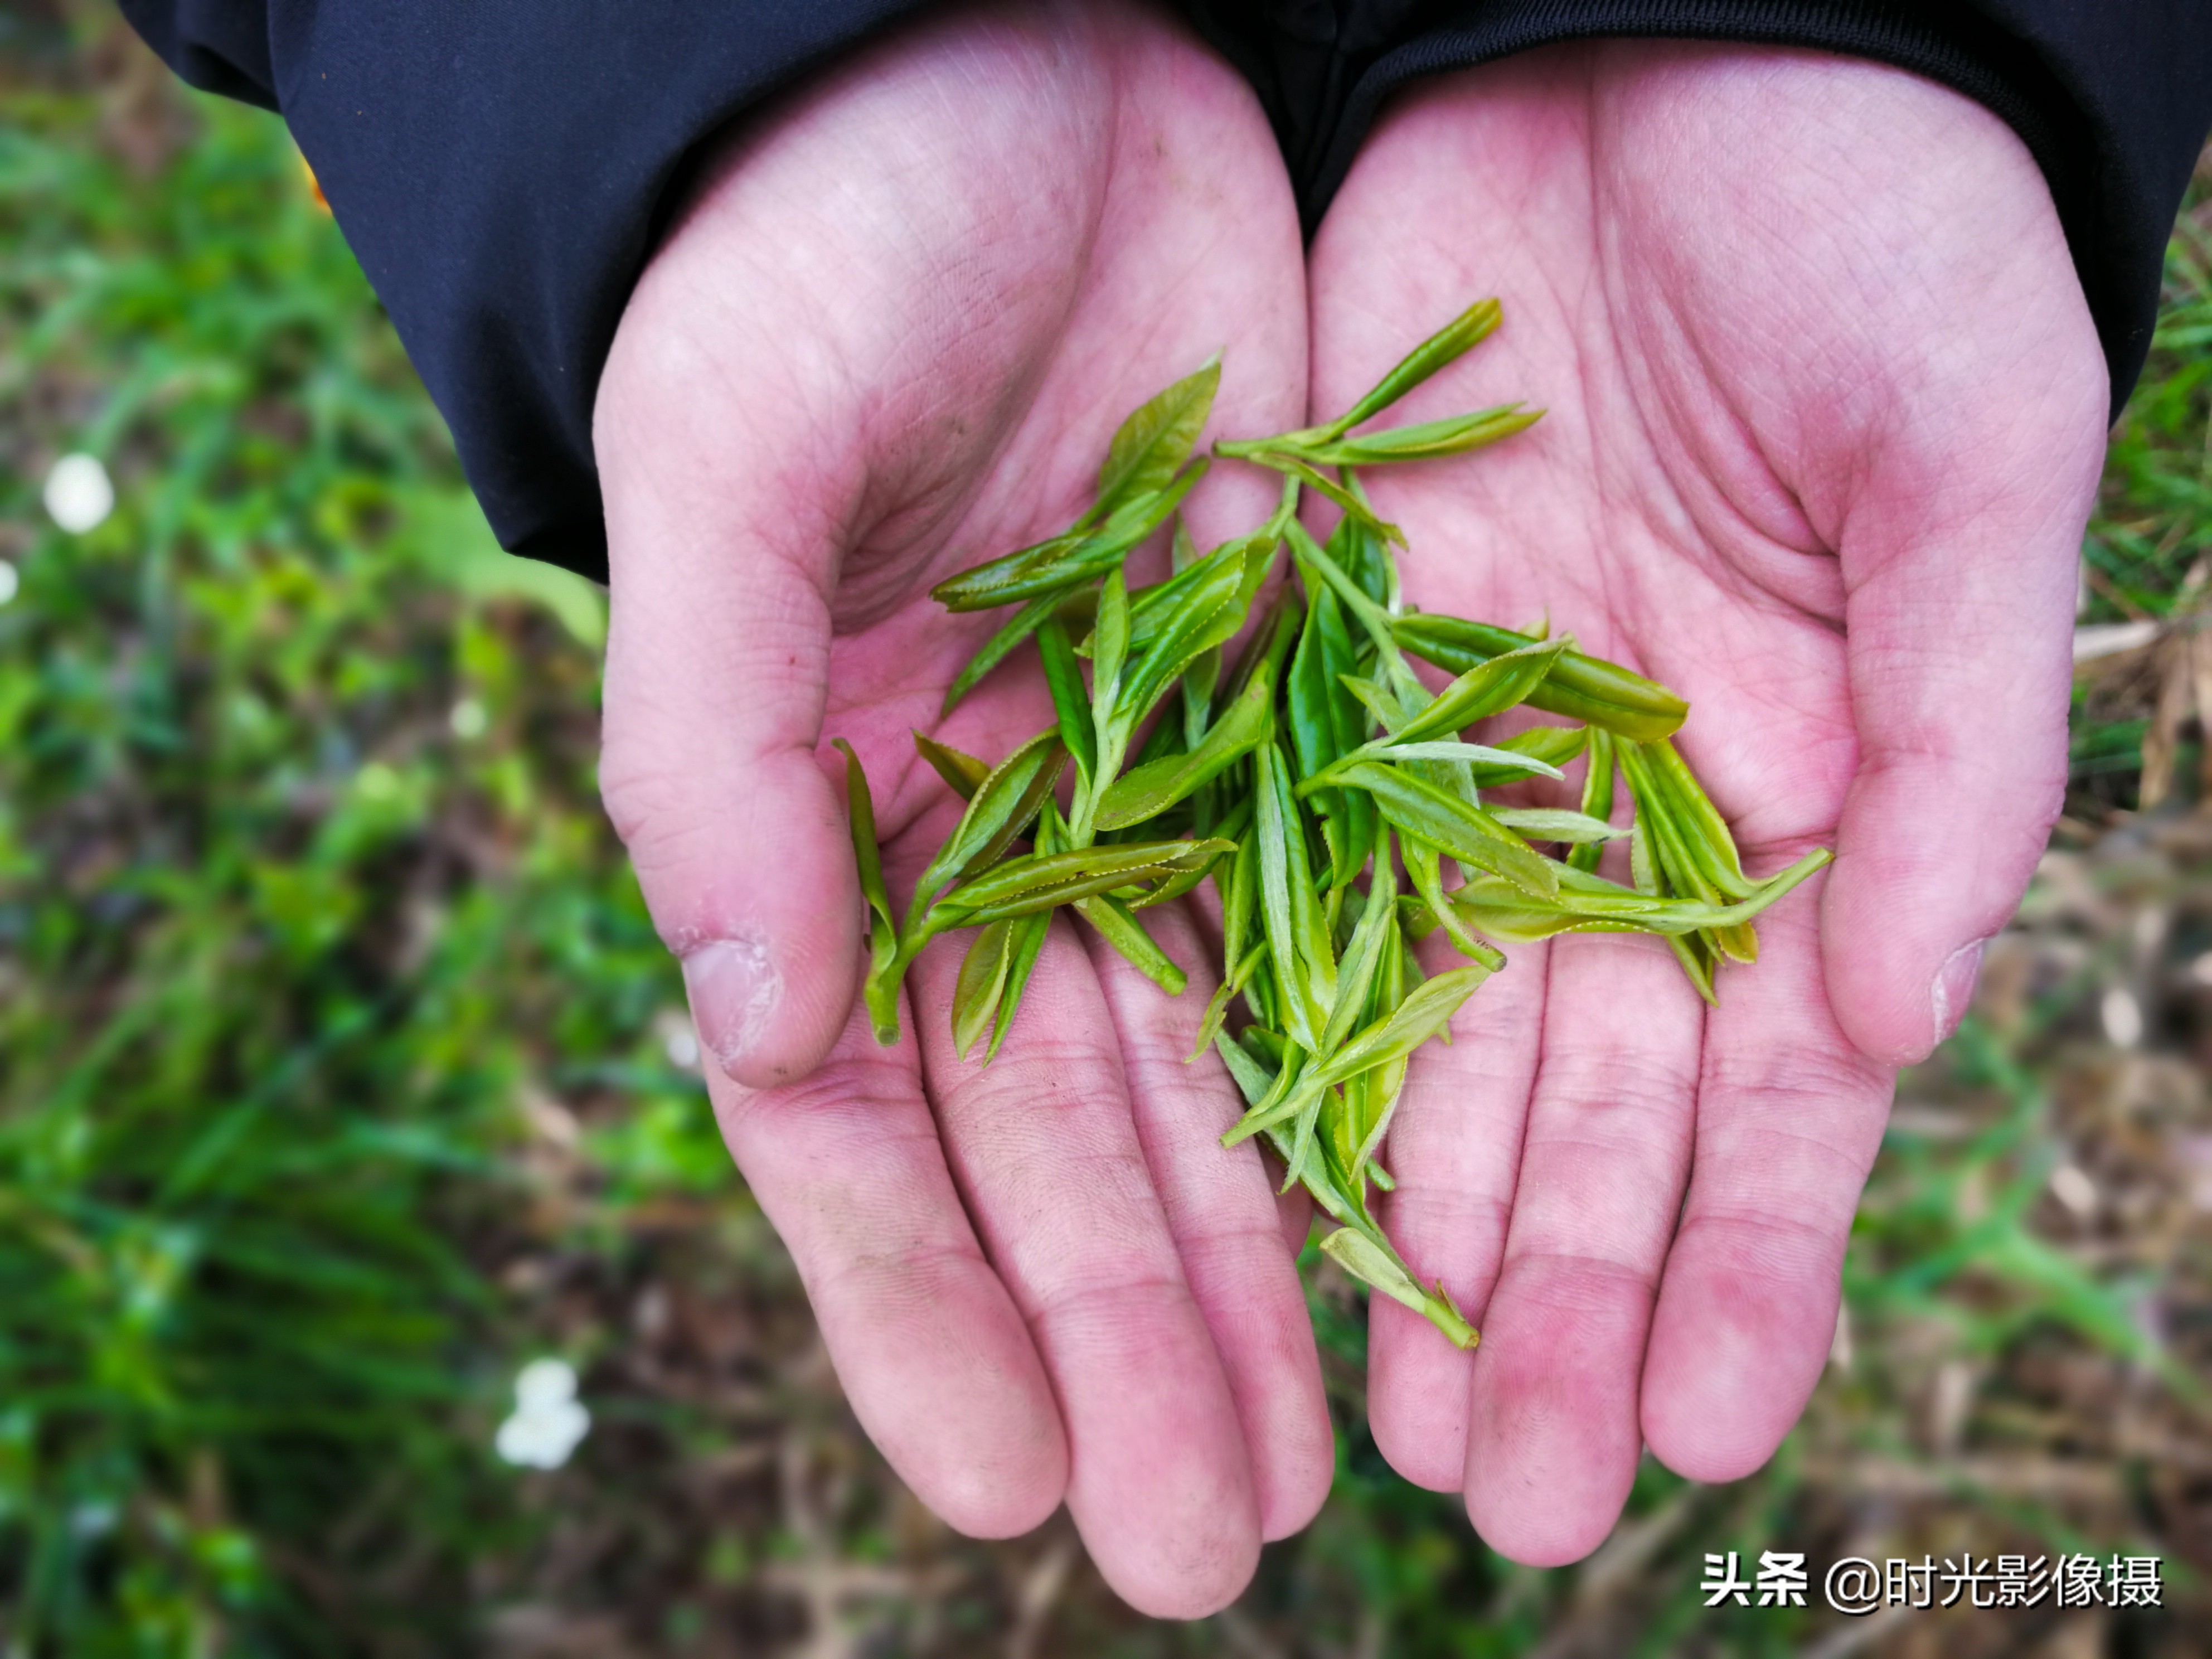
(888, 338)
(1825, 415)
(1827, 412)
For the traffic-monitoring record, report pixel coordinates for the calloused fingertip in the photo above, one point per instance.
(765, 1026)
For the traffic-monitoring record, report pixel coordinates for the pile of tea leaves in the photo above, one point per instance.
(1314, 779)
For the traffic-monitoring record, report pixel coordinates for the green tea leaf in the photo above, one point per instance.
(962, 773)
(1582, 688)
(1263, 452)
(1216, 1008)
(1030, 932)
(1039, 881)
(1709, 839)
(1051, 567)
(1367, 1260)
(1355, 979)
(1395, 977)
(1312, 731)
(1151, 609)
(1176, 885)
(1698, 962)
(1588, 903)
(1379, 700)
(1023, 624)
(1425, 1012)
(1146, 791)
(1470, 834)
(1070, 703)
(1489, 688)
(1315, 968)
(983, 979)
(1446, 346)
(1252, 1080)
(1118, 925)
(1207, 614)
(1240, 894)
(1498, 765)
(1429, 441)
(1109, 646)
(1421, 864)
(1643, 869)
(1549, 823)
(1687, 861)
(1362, 556)
(1156, 438)
(1598, 793)
(881, 987)
(1003, 806)
(1274, 831)
(1427, 1009)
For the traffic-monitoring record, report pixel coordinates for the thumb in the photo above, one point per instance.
(1960, 569)
(717, 662)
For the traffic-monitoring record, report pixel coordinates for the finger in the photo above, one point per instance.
(1552, 1441)
(716, 659)
(1959, 626)
(1454, 1147)
(1789, 1117)
(1959, 551)
(931, 1350)
(1042, 1144)
(1222, 1211)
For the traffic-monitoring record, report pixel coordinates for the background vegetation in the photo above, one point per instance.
(341, 1074)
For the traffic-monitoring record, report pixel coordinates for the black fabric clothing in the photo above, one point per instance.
(498, 165)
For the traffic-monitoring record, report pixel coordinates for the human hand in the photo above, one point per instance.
(1826, 411)
(888, 338)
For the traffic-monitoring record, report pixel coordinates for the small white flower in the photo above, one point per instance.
(10, 581)
(548, 1421)
(78, 495)
(2072, 1186)
(468, 719)
(679, 1040)
(2122, 1019)
(544, 1382)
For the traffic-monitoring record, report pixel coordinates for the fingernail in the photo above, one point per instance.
(734, 989)
(1954, 987)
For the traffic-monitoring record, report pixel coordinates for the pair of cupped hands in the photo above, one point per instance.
(1826, 413)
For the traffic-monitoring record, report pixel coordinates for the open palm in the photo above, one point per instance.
(1824, 418)
(888, 338)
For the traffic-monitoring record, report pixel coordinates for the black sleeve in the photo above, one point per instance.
(498, 169)
(2111, 97)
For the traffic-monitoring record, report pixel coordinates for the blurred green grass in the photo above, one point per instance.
(340, 1073)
